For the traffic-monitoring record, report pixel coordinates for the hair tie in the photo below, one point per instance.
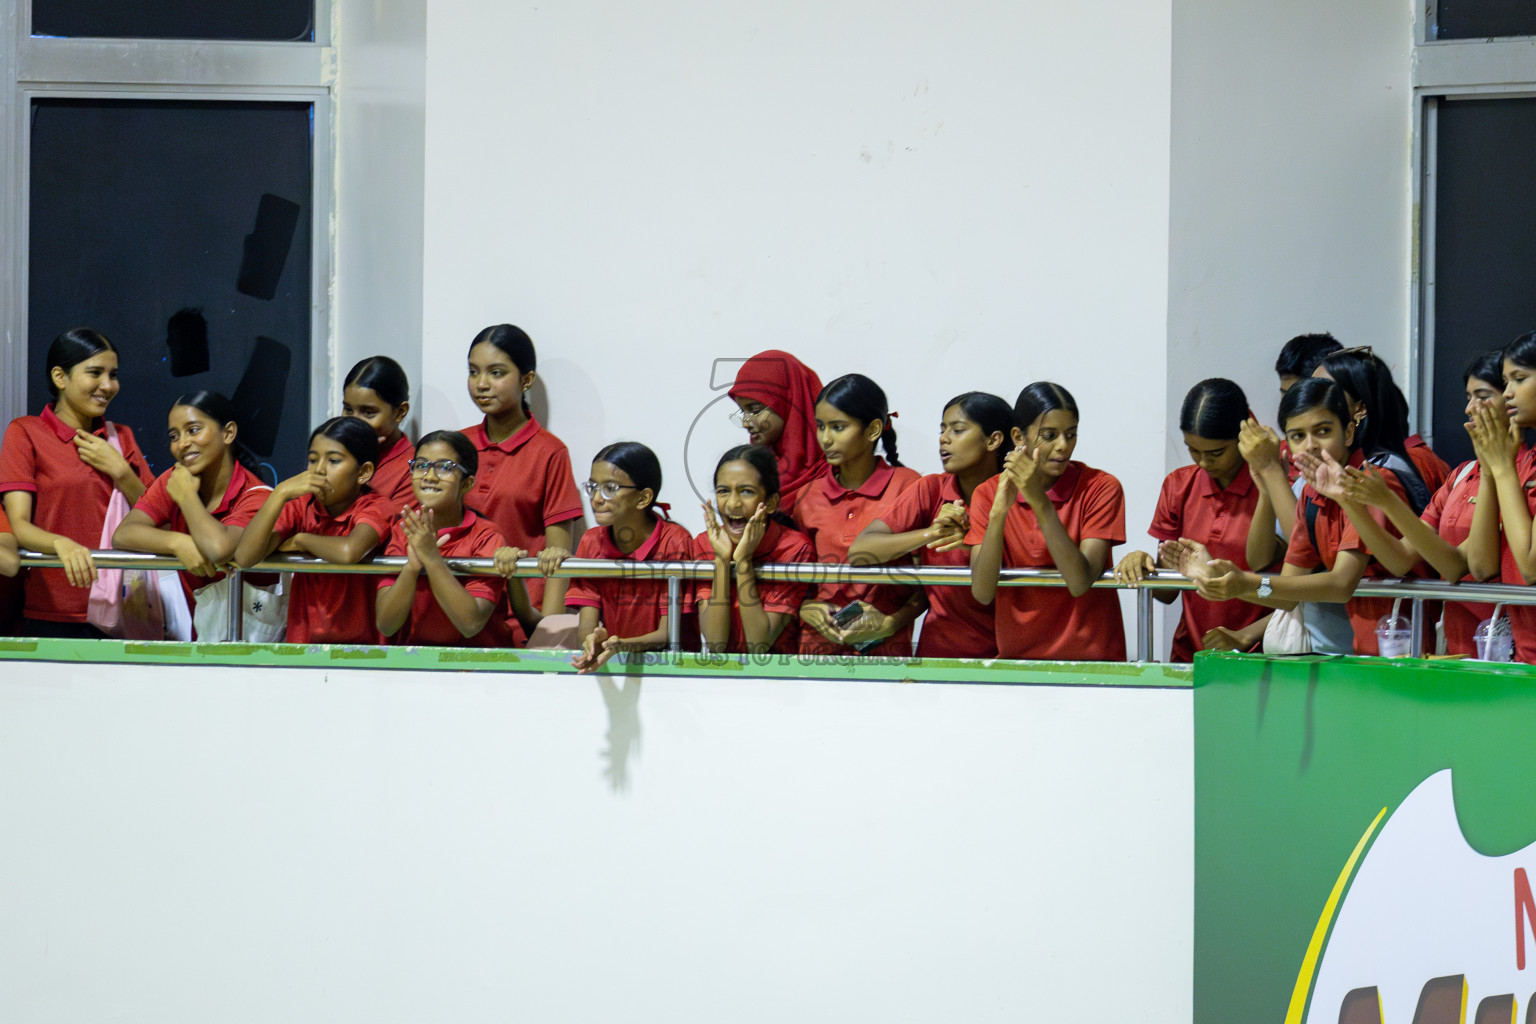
(891, 415)
(666, 509)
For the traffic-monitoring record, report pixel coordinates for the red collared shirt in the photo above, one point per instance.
(1046, 623)
(957, 625)
(631, 608)
(69, 498)
(780, 545)
(832, 516)
(241, 500)
(329, 607)
(1522, 618)
(1336, 533)
(524, 485)
(392, 475)
(1449, 513)
(428, 624)
(1432, 468)
(1191, 505)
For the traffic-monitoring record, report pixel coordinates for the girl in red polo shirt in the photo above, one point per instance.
(377, 392)
(738, 613)
(58, 472)
(1046, 511)
(1510, 468)
(1458, 533)
(1328, 554)
(196, 510)
(775, 396)
(525, 485)
(10, 562)
(626, 614)
(326, 512)
(1211, 502)
(1381, 418)
(852, 416)
(427, 603)
(932, 517)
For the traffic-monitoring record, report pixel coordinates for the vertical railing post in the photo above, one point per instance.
(674, 614)
(236, 606)
(1416, 628)
(1143, 624)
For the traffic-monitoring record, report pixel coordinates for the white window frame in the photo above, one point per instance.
(1500, 67)
(160, 69)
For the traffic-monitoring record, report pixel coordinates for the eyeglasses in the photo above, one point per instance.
(741, 416)
(609, 488)
(442, 467)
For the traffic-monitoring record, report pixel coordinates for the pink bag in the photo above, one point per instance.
(124, 603)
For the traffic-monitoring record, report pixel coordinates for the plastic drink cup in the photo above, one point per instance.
(1394, 637)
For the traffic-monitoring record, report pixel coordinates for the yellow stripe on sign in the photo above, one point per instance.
(1315, 947)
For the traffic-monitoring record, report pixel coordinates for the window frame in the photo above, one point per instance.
(166, 70)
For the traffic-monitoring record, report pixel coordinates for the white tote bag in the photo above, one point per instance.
(263, 615)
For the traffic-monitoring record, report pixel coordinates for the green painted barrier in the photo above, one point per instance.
(1362, 831)
(459, 659)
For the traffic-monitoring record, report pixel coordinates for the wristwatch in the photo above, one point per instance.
(1264, 588)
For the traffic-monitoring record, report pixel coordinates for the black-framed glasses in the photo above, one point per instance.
(609, 489)
(442, 467)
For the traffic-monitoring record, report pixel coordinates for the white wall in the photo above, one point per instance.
(194, 844)
(945, 196)
(1291, 189)
(380, 179)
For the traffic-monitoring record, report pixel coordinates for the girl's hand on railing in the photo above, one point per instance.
(1133, 568)
(192, 557)
(550, 559)
(79, 568)
(506, 560)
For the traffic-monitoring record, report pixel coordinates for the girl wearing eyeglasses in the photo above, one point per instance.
(525, 484)
(331, 512)
(427, 603)
(622, 614)
(775, 396)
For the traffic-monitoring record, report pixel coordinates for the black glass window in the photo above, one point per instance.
(256, 20)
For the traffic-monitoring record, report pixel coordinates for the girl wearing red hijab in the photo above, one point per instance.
(776, 394)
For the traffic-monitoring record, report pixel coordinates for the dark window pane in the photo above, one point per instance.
(1485, 246)
(1477, 19)
(265, 20)
(182, 231)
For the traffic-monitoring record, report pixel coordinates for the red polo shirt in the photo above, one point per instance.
(1046, 623)
(524, 485)
(427, 624)
(1336, 533)
(832, 516)
(1522, 618)
(1191, 505)
(957, 625)
(69, 498)
(328, 607)
(1449, 513)
(631, 608)
(241, 501)
(392, 475)
(780, 545)
(1432, 468)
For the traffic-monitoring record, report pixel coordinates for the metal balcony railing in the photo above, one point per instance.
(1415, 591)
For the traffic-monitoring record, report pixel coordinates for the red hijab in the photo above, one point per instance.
(788, 387)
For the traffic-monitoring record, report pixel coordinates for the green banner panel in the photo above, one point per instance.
(1365, 831)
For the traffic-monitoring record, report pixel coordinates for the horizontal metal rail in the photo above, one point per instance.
(1416, 592)
(799, 572)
